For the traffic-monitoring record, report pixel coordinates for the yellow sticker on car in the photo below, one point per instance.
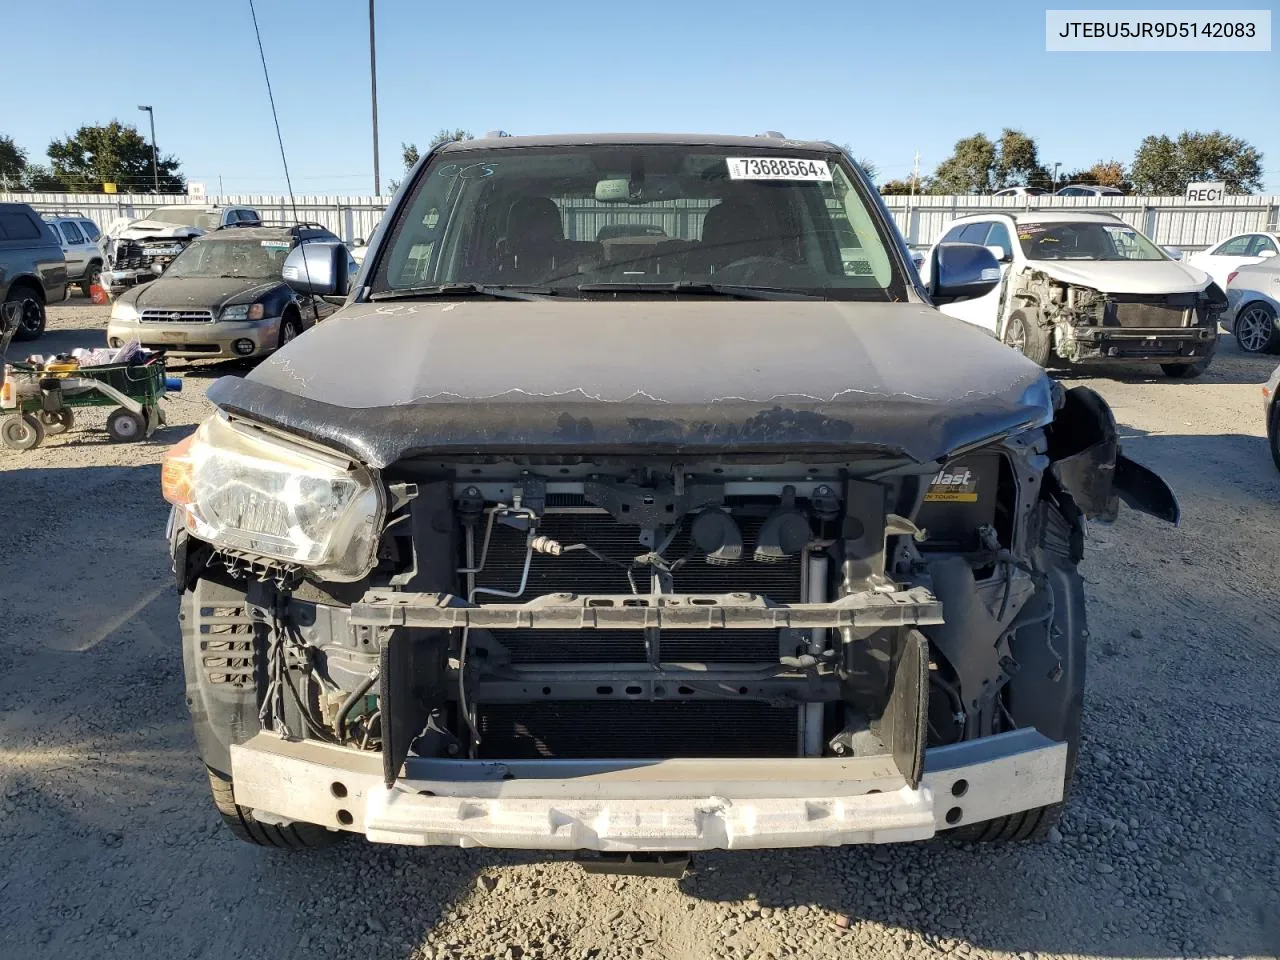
(953, 486)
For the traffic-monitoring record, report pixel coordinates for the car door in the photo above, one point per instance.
(983, 311)
(75, 247)
(1230, 255)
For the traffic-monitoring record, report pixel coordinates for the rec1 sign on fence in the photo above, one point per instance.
(1210, 191)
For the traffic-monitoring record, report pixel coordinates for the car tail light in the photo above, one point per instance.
(1231, 276)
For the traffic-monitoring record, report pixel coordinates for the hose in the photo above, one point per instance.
(340, 721)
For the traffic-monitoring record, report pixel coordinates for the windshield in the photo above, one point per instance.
(643, 218)
(1085, 241)
(185, 216)
(256, 259)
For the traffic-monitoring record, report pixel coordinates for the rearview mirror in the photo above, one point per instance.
(319, 268)
(962, 271)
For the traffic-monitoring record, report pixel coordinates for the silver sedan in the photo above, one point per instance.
(1253, 304)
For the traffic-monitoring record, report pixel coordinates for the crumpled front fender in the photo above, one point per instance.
(1087, 461)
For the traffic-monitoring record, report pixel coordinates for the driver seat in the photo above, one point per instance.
(733, 230)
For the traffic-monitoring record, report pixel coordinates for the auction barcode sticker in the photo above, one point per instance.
(777, 168)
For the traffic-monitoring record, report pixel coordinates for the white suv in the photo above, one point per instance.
(1084, 286)
(83, 245)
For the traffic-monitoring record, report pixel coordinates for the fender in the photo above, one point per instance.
(1086, 459)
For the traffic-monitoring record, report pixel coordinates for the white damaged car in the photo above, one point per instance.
(1087, 287)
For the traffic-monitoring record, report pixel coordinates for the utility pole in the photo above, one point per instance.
(373, 95)
(915, 175)
(1055, 176)
(155, 165)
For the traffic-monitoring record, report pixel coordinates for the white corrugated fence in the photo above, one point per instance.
(1170, 221)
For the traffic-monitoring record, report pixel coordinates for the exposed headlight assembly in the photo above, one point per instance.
(123, 311)
(242, 489)
(244, 311)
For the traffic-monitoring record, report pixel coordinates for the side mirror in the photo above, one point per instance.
(999, 254)
(358, 242)
(1174, 253)
(157, 268)
(1266, 254)
(319, 268)
(963, 271)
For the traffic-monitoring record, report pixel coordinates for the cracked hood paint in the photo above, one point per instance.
(653, 376)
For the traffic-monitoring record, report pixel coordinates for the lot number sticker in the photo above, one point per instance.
(777, 168)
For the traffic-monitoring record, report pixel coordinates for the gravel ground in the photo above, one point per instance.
(109, 846)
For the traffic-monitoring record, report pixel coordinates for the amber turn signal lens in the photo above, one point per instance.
(177, 473)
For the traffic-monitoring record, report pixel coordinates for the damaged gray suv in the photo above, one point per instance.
(639, 501)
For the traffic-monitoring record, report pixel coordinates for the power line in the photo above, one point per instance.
(274, 116)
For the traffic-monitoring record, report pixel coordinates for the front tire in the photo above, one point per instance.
(245, 826)
(31, 315)
(1255, 329)
(1024, 332)
(290, 327)
(1047, 692)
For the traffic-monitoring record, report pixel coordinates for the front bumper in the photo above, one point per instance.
(634, 806)
(1125, 344)
(212, 340)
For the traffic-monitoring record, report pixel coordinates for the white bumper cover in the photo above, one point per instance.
(632, 806)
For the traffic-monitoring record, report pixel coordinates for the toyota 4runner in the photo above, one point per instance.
(640, 501)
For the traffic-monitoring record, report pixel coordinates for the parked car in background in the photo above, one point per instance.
(1221, 259)
(1253, 304)
(1088, 190)
(1089, 287)
(83, 245)
(1021, 192)
(33, 268)
(1271, 410)
(144, 248)
(222, 297)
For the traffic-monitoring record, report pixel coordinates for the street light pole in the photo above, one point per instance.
(155, 166)
(373, 96)
(1055, 175)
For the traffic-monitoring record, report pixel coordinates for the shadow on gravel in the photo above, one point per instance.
(58, 340)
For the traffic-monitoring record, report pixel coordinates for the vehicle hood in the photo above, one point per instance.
(1126, 276)
(185, 293)
(157, 230)
(384, 381)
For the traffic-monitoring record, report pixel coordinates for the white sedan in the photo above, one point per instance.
(1235, 252)
(1253, 304)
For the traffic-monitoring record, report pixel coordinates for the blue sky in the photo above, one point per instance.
(888, 79)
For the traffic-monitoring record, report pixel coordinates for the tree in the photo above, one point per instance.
(1018, 162)
(13, 162)
(902, 188)
(969, 169)
(978, 165)
(111, 153)
(39, 178)
(409, 153)
(1163, 166)
(447, 136)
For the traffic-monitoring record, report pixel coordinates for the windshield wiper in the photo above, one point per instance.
(697, 288)
(464, 290)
